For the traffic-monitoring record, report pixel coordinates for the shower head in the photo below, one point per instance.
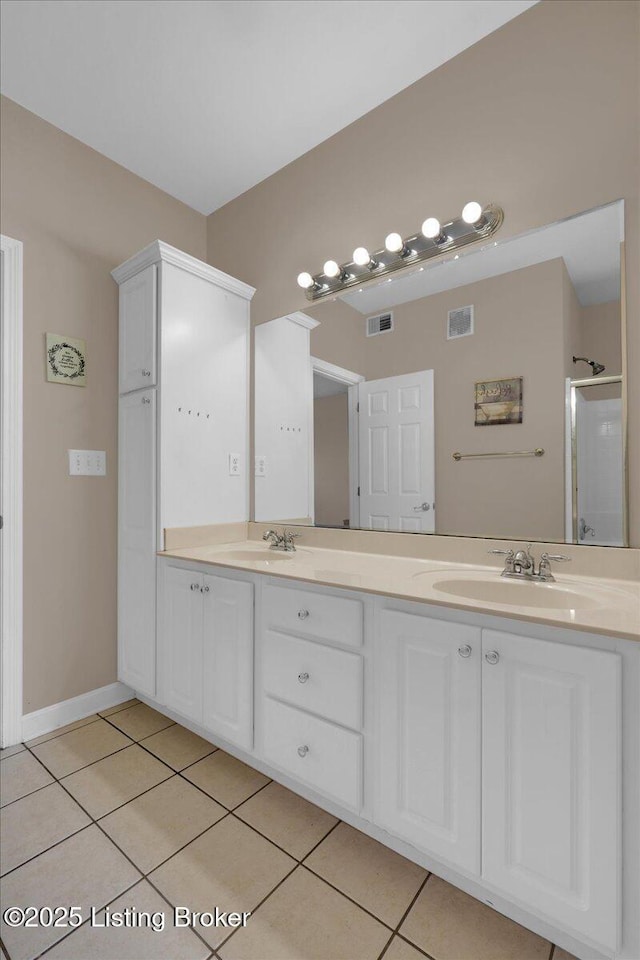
(596, 367)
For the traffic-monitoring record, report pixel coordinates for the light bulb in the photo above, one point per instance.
(331, 269)
(305, 280)
(361, 256)
(393, 243)
(431, 228)
(472, 212)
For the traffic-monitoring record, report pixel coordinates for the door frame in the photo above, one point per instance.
(332, 372)
(11, 537)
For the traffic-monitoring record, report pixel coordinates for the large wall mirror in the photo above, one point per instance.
(479, 395)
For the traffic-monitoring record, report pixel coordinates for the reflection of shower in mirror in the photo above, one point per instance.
(596, 367)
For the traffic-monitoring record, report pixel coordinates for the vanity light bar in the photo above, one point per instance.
(475, 223)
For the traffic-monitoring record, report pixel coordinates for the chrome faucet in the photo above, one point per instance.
(281, 541)
(521, 565)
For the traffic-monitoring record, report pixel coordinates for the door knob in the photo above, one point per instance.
(146, 373)
(303, 751)
(464, 650)
(195, 586)
(204, 589)
(422, 508)
(492, 657)
(303, 677)
(303, 614)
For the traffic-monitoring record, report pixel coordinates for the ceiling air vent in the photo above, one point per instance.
(460, 323)
(383, 323)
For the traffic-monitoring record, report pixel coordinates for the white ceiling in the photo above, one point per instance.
(588, 243)
(205, 98)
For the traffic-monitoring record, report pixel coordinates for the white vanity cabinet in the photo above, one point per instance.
(428, 734)
(184, 418)
(205, 651)
(551, 779)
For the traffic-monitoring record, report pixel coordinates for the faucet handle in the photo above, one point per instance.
(502, 553)
(558, 557)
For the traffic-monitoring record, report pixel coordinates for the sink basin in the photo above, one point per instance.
(256, 556)
(512, 593)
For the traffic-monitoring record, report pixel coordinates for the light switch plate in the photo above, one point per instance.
(261, 466)
(234, 464)
(87, 463)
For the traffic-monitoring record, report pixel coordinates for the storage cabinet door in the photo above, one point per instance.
(138, 331)
(551, 780)
(180, 642)
(428, 752)
(136, 542)
(227, 673)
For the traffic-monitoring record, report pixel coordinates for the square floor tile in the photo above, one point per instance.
(155, 825)
(226, 779)
(118, 707)
(113, 781)
(376, 877)
(290, 821)
(401, 950)
(306, 918)
(560, 954)
(451, 925)
(178, 746)
(80, 747)
(35, 823)
(143, 943)
(229, 867)
(11, 751)
(85, 870)
(60, 730)
(140, 721)
(19, 775)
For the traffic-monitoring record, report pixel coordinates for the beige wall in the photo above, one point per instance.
(600, 338)
(541, 116)
(78, 215)
(331, 459)
(521, 330)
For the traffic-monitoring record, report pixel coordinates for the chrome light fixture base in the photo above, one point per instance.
(415, 249)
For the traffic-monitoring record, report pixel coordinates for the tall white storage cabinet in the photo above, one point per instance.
(183, 425)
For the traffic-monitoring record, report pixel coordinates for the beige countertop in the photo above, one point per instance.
(591, 604)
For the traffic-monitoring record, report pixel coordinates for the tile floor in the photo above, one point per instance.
(128, 811)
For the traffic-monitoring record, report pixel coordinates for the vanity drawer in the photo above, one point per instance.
(314, 751)
(314, 676)
(314, 614)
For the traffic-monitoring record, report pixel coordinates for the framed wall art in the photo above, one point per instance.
(498, 402)
(66, 360)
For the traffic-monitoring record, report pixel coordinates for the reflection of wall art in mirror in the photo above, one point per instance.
(498, 402)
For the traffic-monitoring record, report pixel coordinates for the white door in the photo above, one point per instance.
(137, 347)
(227, 672)
(551, 780)
(180, 642)
(396, 439)
(428, 735)
(136, 541)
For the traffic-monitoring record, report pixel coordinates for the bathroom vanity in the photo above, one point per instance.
(500, 751)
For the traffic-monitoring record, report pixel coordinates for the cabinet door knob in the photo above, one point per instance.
(303, 751)
(204, 589)
(303, 677)
(464, 650)
(195, 586)
(492, 657)
(146, 400)
(146, 373)
(303, 614)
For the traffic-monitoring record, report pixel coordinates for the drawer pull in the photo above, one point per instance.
(303, 614)
(492, 657)
(464, 650)
(303, 677)
(303, 751)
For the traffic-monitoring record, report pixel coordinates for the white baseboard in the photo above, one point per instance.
(68, 711)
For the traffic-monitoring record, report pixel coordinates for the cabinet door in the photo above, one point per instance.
(227, 672)
(428, 753)
(551, 779)
(137, 542)
(138, 331)
(180, 642)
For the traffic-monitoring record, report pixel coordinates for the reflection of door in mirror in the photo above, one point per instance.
(541, 309)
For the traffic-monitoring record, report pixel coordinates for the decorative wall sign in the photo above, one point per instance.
(66, 359)
(498, 401)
